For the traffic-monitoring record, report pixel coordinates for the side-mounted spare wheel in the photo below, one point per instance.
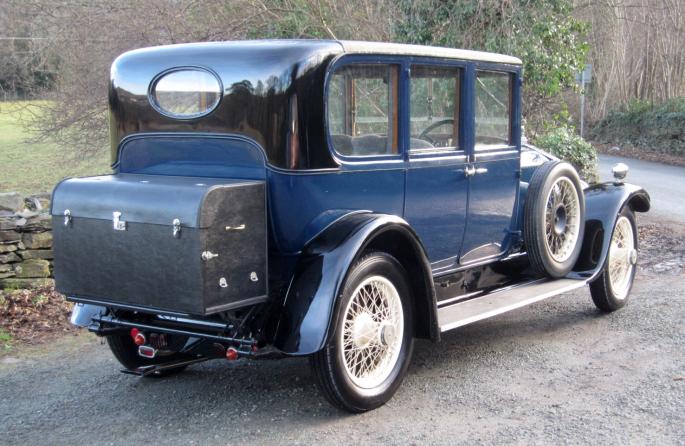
(554, 219)
(371, 337)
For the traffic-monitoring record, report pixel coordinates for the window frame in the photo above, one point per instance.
(514, 111)
(460, 69)
(467, 146)
(357, 59)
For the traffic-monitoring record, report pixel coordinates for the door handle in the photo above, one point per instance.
(471, 171)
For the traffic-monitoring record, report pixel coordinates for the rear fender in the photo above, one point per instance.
(603, 203)
(319, 277)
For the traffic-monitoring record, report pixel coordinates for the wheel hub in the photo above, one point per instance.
(372, 332)
(632, 257)
(363, 330)
(560, 220)
(387, 333)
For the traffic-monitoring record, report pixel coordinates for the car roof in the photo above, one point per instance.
(315, 47)
(359, 47)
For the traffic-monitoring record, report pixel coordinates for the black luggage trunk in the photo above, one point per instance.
(161, 243)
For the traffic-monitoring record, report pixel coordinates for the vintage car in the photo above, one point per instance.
(329, 199)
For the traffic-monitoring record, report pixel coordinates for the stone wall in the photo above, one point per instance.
(25, 241)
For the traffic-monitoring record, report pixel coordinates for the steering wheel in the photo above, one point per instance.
(424, 134)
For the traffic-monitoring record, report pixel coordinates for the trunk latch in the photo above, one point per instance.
(208, 255)
(119, 225)
(67, 217)
(176, 224)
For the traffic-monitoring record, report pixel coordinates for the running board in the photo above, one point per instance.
(503, 300)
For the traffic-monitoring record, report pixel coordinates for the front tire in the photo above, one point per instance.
(610, 290)
(372, 338)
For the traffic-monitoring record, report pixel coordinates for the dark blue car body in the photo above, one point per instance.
(455, 232)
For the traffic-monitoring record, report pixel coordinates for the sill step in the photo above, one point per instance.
(502, 301)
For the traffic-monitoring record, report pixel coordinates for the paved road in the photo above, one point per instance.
(558, 372)
(553, 373)
(665, 184)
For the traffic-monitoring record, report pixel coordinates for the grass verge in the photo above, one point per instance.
(28, 167)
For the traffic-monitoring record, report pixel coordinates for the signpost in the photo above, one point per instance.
(583, 78)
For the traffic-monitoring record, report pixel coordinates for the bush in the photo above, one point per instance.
(564, 143)
(658, 128)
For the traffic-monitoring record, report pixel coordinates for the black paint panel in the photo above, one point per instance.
(145, 265)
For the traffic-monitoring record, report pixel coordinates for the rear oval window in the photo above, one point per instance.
(186, 93)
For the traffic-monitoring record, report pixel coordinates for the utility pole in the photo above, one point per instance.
(583, 78)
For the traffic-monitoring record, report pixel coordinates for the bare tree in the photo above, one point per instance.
(637, 50)
(84, 37)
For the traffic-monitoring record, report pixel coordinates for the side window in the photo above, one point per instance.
(362, 109)
(434, 108)
(493, 109)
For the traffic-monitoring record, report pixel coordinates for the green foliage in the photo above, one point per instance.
(645, 125)
(39, 299)
(564, 143)
(543, 33)
(5, 340)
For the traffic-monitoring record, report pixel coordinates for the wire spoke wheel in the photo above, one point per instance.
(554, 219)
(622, 257)
(372, 332)
(364, 360)
(611, 288)
(562, 219)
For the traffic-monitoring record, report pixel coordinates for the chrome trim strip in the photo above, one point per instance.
(495, 152)
(446, 302)
(184, 320)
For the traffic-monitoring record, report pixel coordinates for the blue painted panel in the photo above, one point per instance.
(435, 205)
(303, 204)
(192, 155)
(493, 195)
(492, 201)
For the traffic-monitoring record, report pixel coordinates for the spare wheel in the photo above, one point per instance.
(554, 219)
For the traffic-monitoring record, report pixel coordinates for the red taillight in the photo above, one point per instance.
(138, 337)
(147, 351)
(231, 354)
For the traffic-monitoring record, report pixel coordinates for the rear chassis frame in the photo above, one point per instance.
(206, 339)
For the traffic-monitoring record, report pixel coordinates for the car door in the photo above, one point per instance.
(436, 185)
(493, 171)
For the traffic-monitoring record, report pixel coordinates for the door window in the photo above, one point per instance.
(362, 109)
(434, 108)
(493, 109)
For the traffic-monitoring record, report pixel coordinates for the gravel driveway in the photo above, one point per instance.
(555, 372)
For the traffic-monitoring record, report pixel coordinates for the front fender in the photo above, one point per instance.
(603, 202)
(319, 277)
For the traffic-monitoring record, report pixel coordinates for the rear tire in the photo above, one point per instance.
(371, 338)
(126, 352)
(610, 290)
(554, 219)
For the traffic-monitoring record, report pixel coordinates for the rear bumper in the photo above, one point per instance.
(154, 311)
